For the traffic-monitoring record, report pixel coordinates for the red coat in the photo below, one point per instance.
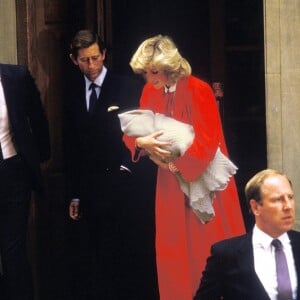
(182, 241)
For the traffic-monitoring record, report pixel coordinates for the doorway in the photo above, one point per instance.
(223, 41)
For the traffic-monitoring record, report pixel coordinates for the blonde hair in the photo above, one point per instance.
(161, 53)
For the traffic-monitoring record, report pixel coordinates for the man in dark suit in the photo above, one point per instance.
(104, 184)
(245, 267)
(24, 140)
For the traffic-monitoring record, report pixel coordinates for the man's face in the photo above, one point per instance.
(90, 61)
(276, 212)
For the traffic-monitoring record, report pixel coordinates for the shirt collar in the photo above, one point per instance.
(99, 80)
(170, 89)
(261, 239)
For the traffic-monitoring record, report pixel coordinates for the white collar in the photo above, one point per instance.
(99, 80)
(170, 89)
(261, 239)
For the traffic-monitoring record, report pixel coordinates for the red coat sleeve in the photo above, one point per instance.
(206, 122)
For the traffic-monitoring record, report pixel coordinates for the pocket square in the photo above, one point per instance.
(112, 108)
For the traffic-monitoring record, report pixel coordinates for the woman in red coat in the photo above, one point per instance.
(182, 240)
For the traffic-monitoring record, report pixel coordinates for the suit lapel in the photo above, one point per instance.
(109, 93)
(106, 90)
(246, 265)
(77, 100)
(295, 242)
(82, 98)
(11, 94)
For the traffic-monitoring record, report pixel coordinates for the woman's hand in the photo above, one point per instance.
(159, 162)
(153, 146)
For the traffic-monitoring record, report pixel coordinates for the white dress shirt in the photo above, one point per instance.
(98, 81)
(7, 146)
(264, 261)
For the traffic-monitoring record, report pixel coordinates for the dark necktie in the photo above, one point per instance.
(1, 154)
(283, 278)
(1, 165)
(93, 98)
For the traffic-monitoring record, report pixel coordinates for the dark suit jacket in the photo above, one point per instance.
(94, 143)
(230, 270)
(118, 206)
(29, 125)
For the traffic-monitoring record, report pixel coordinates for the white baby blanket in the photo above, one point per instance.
(201, 191)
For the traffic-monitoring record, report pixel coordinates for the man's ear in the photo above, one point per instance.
(73, 59)
(254, 207)
(104, 54)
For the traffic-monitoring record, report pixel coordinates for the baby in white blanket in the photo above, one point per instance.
(201, 192)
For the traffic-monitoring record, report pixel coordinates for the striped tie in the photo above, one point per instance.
(283, 278)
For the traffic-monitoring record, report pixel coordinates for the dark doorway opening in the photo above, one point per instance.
(223, 41)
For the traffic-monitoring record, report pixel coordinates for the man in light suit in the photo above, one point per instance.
(105, 186)
(244, 267)
(24, 141)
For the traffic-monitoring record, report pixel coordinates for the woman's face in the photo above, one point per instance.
(155, 77)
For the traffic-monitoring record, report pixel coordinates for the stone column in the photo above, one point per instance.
(8, 53)
(282, 75)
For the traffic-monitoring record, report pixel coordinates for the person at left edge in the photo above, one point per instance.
(24, 139)
(102, 181)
